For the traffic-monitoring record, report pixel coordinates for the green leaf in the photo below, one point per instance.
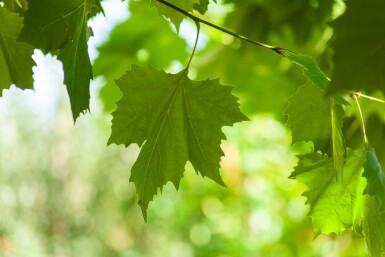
(310, 68)
(374, 228)
(15, 57)
(175, 17)
(54, 25)
(337, 120)
(202, 6)
(333, 203)
(309, 117)
(359, 47)
(174, 120)
(17, 6)
(375, 179)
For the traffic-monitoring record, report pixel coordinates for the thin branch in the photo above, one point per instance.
(277, 50)
(355, 97)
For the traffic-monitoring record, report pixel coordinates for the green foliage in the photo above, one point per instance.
(310, 69)
(179, 120)
(15, 57)
(176, 119)
(374, 227)
(147, 32)
(175, 17)
(309, 117)
(359, 47)
(333, 202)
(375, 179)
(61, 28)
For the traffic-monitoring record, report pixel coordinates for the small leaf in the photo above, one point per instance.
(359, 47)
(375, 179)
(310, 69)
(15, 57)
(175, 17)
(174, 120)
(202, 6)
(333, 204)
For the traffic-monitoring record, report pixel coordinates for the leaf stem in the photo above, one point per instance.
(359, 94)
(355, 97)
(196, 42)
(275, 49)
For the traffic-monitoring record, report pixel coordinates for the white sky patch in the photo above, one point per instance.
(116, 12)
(188, 31)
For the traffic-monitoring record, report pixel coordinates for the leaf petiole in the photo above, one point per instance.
(359, 94)
(355, 97)
(196, 42)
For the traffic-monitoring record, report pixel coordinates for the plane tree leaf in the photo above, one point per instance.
(15, 57)
(174, 120)
(359, 47)
(374, 228)
(60, 27)
(333, 203)
(375, 178)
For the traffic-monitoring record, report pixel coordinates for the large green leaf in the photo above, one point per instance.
(309, 117)
(15, 57)
(375, 178)
(175, 17)
(359, 47)
(374, 228)
(334, 204)
(61, 26)
(174, 120)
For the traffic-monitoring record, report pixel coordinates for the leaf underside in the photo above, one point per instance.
(345, 197)
(60, 27)
(174, 120)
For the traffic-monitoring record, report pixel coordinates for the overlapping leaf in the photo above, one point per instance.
(309, 117)
(374, 228)
(60, 27)
(359, 47)
(334, 204)
(174, 120)
(375, 179)
(15, 57)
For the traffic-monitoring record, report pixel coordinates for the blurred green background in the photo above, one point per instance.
(63, 192)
